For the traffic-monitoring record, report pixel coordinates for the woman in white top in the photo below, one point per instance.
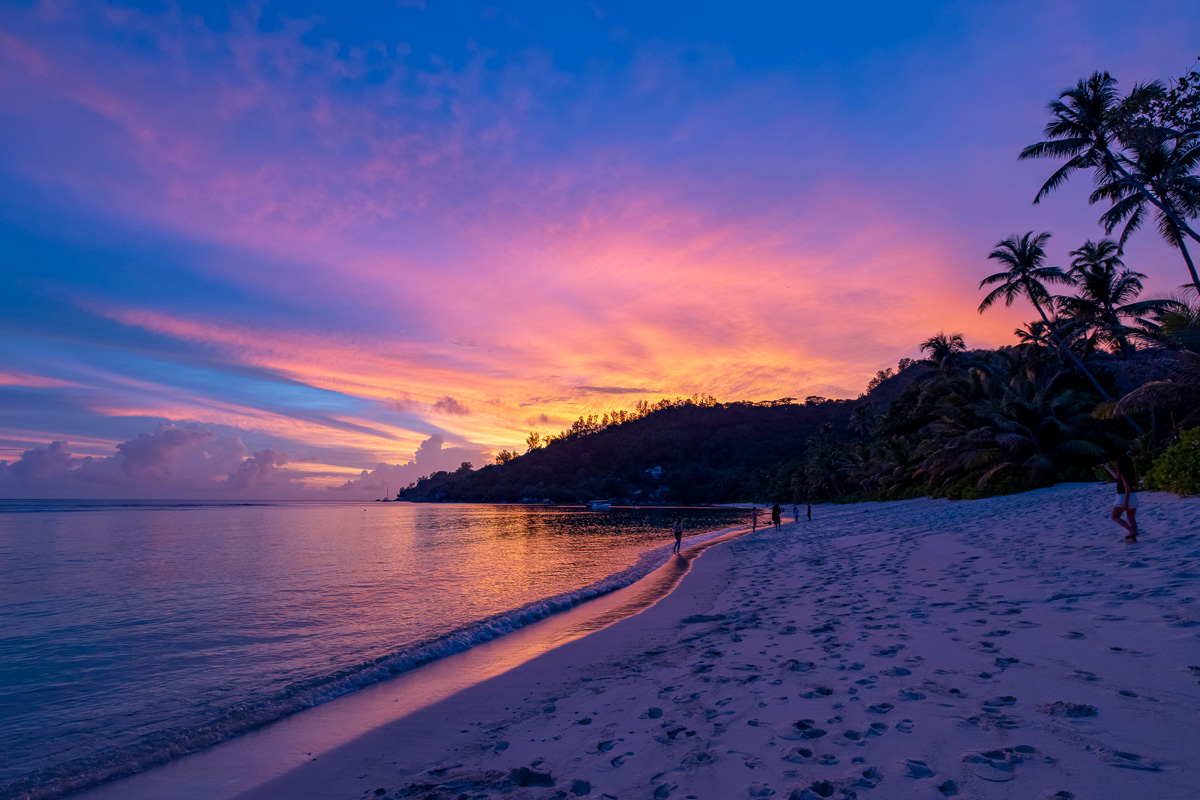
(1126, 500)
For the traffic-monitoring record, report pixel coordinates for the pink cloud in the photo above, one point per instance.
(174, 461)
(432, 456)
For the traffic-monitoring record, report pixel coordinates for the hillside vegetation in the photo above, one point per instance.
(1099, 371)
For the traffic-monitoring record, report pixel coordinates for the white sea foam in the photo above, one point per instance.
(165, 745)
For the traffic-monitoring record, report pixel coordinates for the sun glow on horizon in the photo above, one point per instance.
(268, 233)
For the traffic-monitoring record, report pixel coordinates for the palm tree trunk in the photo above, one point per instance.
(1064, 349)
(1113, 319)
(1187, 257)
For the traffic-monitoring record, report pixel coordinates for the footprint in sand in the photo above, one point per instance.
(798, 755)
(808, 729)
(917, 769)
(999, 766)
(1061, 708)
(871, 778)
(1131, 762)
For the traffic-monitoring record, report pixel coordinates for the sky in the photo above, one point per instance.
(305, 249)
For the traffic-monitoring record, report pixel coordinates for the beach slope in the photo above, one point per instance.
(1013, 647)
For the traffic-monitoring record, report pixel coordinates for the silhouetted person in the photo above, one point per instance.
(677, 529)
(776, 514)
(809, 512)
(1126, 500)
(795, 513)
(753, 518)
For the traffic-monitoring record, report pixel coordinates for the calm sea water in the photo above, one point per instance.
(132, 632)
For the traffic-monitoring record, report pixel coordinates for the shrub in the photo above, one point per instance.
(1178, 468)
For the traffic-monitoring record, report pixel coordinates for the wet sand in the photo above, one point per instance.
(1014, 647)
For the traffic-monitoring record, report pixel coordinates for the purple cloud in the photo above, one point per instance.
(448, 405)
(432, 456)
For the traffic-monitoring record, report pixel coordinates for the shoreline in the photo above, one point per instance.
(998, 648)
(238, 764)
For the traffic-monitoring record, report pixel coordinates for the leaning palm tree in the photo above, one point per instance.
(1106, 296)
(1087, 124)
(1027, 275)
(1165, 165)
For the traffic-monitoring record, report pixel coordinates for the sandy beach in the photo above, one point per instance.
(1013, 647)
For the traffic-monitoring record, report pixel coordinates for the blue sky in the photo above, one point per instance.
(394, 236)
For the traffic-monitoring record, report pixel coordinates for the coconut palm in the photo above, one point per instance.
(862, 419)
(1010, 420)
(1087, 125)
(1027, 275)
(1106, 296)
(1034, 333)
(944, 350)
(1178, 396)
(1175, 326)
(1164, 164)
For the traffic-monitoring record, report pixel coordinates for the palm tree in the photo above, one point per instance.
(862, 419)
(1164, 164)
(944, 350)
(1106, 295)
(1033, 333)
(1011, 419)
(1027, 275)
(1180, 397)
(1086, 124)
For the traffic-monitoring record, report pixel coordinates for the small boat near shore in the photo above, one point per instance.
(599, 505)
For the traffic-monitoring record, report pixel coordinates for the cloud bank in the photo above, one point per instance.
(180, 461)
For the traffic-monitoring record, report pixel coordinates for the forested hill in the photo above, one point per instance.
(686, 451)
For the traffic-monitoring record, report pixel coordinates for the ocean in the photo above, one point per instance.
(135, 632)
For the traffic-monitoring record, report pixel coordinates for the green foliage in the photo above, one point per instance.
(959, 424)
(707, 452)
(1178, 468)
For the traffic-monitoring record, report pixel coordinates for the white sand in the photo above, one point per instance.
(1006, 648)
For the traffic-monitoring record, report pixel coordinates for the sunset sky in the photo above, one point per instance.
(259, 251)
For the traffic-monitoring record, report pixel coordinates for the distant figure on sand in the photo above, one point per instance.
(795, 513)
(753, 518)
(776, 513)
(677, 529)
(809, 512)
(1126, 500)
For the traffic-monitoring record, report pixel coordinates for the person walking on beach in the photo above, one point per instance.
(809, 512)
(1126, 500)
(753, 518)
(795, 513)
(677, 529)
(776, 513)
